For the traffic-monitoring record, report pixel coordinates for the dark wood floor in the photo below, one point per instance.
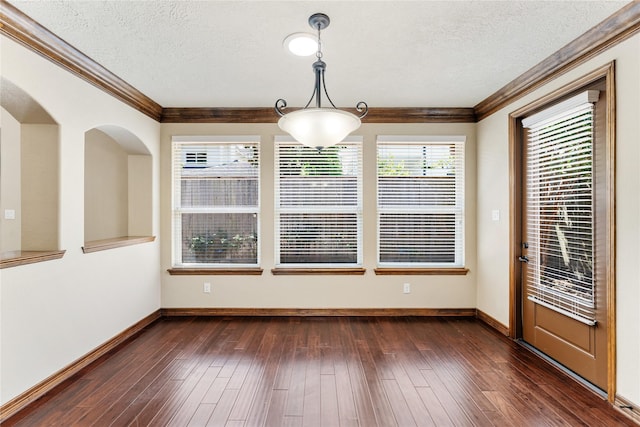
(306, 371)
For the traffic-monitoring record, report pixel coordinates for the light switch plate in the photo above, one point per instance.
(9, 214)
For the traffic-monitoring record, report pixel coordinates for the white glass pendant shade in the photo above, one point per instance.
(319, 127)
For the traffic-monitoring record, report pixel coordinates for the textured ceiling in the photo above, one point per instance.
(387, 53)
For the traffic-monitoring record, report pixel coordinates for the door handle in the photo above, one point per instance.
(523, 258)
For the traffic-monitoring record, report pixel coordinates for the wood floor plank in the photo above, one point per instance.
(221, 413)
(145, 392)
(362, 403)
(214, 393)
(448, 402)
(329, 415)
(529, 405)
(409, 394)
(399, 406)
(276, 409)
(450, 368)
(194, 399)
(290, 421)
(264, 390)
(381, 405)
(195, 358)
(295, 389)
(285, 367)
(433, 405)
(509, 414)
(246, 396)
(201, 415)
(320, 371)
(120, 401)
(344, 391)
(311, 413)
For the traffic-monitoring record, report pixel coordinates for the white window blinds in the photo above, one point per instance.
(420, 201)
(318, 204)
(216, 201)
(560, 207)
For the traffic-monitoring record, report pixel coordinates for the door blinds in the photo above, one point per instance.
(559, 214)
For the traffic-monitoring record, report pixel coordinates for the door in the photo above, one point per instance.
(563, 221)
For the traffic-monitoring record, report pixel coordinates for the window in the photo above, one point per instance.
(318, 204)
(216, 205)
(420, 201)
(195, 159)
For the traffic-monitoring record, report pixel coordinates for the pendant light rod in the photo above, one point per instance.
(320, 21)
(319, 127)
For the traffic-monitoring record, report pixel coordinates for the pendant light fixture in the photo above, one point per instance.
(319, 126)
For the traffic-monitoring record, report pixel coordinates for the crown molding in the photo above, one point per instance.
(268, 115)
(218, 115)
(613, 30)
(24, 30)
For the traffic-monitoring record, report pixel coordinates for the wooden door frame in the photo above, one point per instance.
(606, 72)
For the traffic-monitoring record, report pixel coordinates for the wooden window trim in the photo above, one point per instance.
(17, 258)
(280, 271)
(199, 271)
(436, 271)
(117, 242)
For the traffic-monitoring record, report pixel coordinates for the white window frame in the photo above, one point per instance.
(177, 210)
(358, 210)
(458, 208)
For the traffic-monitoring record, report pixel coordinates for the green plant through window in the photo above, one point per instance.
(219, 246)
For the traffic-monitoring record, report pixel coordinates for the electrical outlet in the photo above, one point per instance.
(406, 288)
(206, 288)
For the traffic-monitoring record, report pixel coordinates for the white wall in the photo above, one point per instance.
(52, 313)
(39, 148)
(106, 180)
(493, 193)
(141, 207)
(367, 291)
(10, 197)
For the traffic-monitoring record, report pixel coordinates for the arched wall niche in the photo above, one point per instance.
(29, 175)
(117, 185)
(22, 106)
(126, 139)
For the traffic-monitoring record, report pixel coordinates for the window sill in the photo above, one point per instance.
(437, 271)
(182, 271)
(117, 242)
(317, 271)
(17, 258)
